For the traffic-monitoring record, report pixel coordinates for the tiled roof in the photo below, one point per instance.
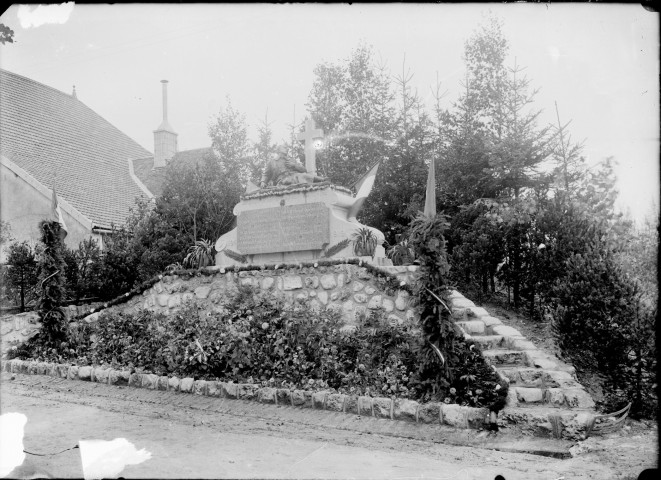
(57, 138)
(154, 178)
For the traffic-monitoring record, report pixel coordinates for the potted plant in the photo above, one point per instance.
(364, 242)
(201, 254)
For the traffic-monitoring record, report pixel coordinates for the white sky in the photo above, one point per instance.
(599, 62)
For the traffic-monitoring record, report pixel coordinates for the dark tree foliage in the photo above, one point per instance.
(21, 272)
(51, 286)
(603, 326)
(6, 34)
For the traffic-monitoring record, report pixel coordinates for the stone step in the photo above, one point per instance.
(563, 398)
(547, 422)
(489, 342)
(500, 356)
(537, 377)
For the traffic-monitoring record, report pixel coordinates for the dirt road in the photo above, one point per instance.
(190, 436)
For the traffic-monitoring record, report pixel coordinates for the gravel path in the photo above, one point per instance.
(199, 437)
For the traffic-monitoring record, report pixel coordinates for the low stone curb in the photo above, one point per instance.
(399, 409)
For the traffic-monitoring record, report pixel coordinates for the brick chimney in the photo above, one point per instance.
(165, 139)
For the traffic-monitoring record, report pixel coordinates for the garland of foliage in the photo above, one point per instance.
(333, 249)
(445, 355)
(299, 188)
(387, 279)
(51, 282)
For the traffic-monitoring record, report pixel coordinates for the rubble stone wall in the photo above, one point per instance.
(346, 288)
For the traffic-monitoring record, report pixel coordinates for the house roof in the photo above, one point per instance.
(154, 178)
(61, 141)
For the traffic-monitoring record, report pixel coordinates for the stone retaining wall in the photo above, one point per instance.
(349, 289)
(379, 407)
(18, 327)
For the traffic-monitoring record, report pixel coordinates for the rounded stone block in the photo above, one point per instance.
(174, 383)
(43, 368)
(149, 380)
(473, 327)
(117, 377)
(311, 282)
(186, 385)
(388, 305)
(283, 396)
(202, 292)
(358, 286)
(529, 395)
(101, 375)
(365, 406)
(460, 302)
(63, 371)
(162, 383)
(375, 302)
(85, 373)
(319, 400)
(247, 391)
(476, 417)
(404, 409)
(292, 282)
(200, 387)
(578, 398)
(351, 404)
(454, 415)
(229, 390)
(135, 380)
(162, 300)
(554, 396)
(369, 290)
(382, 407)
(266, 395)
(302, 398)
(429, 413)
(322, 297)
(335, 402)
(328, 282)
(360, 297)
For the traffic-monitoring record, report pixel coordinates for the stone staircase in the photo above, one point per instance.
(544, 398)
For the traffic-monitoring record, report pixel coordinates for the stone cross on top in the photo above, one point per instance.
(310, 136)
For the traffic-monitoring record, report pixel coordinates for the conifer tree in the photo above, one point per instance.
(51, 285)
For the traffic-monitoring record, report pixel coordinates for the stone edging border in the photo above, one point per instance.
(452, 415)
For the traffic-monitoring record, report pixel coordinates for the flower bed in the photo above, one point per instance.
(255, 338)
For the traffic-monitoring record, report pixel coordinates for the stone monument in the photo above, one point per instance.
(294, 216)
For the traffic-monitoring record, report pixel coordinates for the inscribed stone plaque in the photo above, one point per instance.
(284, 229)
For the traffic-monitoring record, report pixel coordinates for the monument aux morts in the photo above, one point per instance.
(295, 214)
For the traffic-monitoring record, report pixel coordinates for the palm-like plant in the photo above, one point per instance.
(364, 242)
(401, 253)
(201, 254)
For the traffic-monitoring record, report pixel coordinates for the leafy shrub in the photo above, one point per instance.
(255, 337)
(604, 326)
